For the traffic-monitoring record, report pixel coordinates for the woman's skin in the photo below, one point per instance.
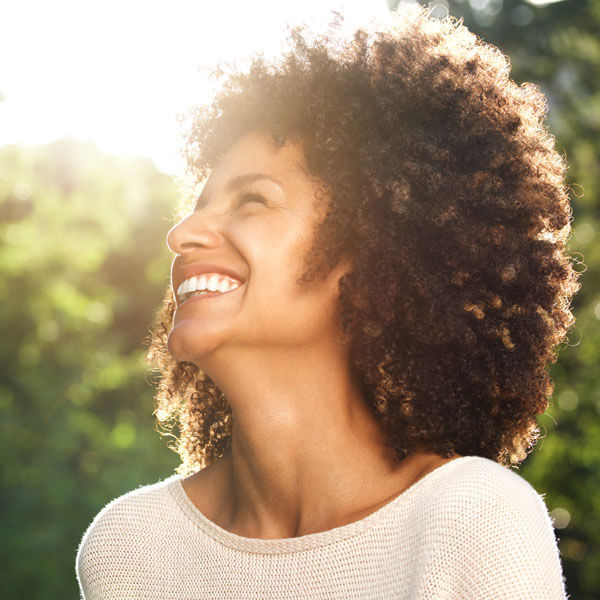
(307, 454)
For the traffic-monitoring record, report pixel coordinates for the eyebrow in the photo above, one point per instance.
(239, 182)
(242, 180)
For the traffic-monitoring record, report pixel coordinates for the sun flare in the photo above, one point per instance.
(117, 73)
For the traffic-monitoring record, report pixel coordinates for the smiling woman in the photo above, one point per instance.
(254, 220)
(363, 306)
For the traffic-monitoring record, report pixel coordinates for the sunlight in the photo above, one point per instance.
(542, 2)
(116, 73)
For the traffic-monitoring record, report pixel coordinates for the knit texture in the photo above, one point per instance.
(470, 529)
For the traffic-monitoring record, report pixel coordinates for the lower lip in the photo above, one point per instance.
(205, 296)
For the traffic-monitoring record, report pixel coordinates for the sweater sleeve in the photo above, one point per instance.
(500, 537)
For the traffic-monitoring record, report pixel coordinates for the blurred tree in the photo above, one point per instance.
(557, 46)
(82, 270)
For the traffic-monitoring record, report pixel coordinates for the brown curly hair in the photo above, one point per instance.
(447, 193)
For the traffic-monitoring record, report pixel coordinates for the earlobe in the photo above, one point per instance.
(344, 266)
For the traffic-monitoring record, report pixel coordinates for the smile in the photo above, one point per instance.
(207, 283)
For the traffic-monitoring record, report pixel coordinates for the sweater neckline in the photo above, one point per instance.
(311, 540)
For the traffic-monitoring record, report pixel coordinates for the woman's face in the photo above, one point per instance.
(240, 254)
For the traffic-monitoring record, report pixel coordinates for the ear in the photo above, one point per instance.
(343, 267)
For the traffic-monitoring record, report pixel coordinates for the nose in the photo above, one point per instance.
(192, 232)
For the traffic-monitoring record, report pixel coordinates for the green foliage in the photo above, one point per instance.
(82, 270)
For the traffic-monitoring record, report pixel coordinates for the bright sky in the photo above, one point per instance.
(116, 72)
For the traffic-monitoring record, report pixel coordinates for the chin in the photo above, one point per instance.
(184, 345)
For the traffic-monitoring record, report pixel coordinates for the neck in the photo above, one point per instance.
(304, 442)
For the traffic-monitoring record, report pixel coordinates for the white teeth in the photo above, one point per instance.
(213, 283)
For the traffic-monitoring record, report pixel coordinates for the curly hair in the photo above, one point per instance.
(445, 190)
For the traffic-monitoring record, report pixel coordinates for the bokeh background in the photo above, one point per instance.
(83, 264)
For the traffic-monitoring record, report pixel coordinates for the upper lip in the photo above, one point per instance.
(183, 272)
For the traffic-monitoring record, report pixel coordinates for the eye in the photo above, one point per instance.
(249, 197)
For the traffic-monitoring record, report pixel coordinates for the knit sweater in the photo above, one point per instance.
(469, 530)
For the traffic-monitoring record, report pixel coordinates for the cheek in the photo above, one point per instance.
(274, 248)
(298, 311)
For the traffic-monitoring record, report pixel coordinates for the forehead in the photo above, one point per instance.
(256, 153)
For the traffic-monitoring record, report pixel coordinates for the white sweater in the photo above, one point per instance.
(469, 530)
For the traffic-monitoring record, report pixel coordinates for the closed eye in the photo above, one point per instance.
(245, 198)
(248, 197)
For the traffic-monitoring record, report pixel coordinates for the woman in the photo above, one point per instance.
(364, 303)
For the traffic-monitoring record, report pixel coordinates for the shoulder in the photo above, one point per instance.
(494, 528)
(127, 527)
(138, 508)
(480, 497)
(473, 481)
